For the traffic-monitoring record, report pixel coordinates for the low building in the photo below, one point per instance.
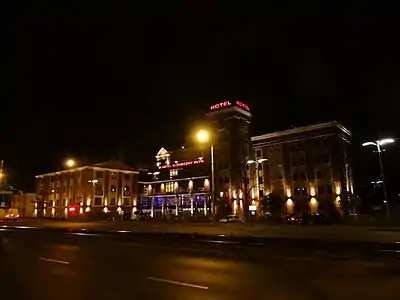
(25, 203)
(308, 167)
(92, 191)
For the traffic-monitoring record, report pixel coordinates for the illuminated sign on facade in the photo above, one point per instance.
(229, 104)
(183, 164)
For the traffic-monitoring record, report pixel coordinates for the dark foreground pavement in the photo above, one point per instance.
(334, 232)
(63, 264)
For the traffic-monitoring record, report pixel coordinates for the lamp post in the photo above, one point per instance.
(204, 136)
(257, 162)
(378, 145)
(153, 190)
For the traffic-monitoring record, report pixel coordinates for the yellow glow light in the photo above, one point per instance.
(203, 136)
(70, 163)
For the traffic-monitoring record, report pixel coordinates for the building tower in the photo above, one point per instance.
(230, 120)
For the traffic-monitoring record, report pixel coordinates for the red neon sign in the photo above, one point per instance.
(228, 104)
(182, 164)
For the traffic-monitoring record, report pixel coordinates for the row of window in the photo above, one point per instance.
(99, 190)
(97, 201)
(303, 191)
(98, 175)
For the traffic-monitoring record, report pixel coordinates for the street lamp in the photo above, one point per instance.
(256, 162)
(153, 191)
(204, 136)
(378, 145)
(70, 163)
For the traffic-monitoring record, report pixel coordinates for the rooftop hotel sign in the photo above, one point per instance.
(198, 161)
(227, 103)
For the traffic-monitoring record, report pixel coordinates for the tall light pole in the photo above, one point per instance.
(204, 136)
(378, 145)
(153, 191)
(257, 162)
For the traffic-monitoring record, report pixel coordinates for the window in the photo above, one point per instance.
(126, 190)
(57, 202)
(97, 201)
(173, 172)
(319, 174)
(226, 166)
(297, 191)
(221, 180)
(304, 191)
(261, 194)
(113, 188)
(294, 162)
(113, 176)
(295, 176)
(302, 175)
(126, 201)
(52, 179)
(329, 189)
(226, 180)
(99, 190)
(260, 180)
(321, 189)
(51, 202)
(325, 158)
(99, 174)
(112, 201)
(169, 187)
(64, 202)
(127, 177)
(258, 153)
(302, 161)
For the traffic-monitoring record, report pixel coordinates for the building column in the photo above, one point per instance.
(191, 204)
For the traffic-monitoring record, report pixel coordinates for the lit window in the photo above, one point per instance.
(173, 172)
(127, 191)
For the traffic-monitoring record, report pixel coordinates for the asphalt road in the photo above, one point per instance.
(62, 264)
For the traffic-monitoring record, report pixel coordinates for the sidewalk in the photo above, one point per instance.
(330, 232)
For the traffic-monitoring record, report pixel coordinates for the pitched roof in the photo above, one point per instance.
(114, 164)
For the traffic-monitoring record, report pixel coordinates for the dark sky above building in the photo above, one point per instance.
(120, 80)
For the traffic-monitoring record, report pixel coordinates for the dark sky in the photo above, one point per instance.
(117, 80)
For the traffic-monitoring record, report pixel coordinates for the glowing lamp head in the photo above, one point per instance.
(70, 163)
(202, 136)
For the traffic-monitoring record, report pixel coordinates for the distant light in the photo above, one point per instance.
(261, 160)
(250, 161)
(183, 147)
(369, 144)
(70, 163)
(202, 136)
(386, 141)
(156, 173)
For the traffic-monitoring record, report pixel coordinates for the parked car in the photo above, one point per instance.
(231, 218)
(11, 214)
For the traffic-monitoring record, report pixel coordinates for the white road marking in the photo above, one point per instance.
(178, 283)
(54, 260)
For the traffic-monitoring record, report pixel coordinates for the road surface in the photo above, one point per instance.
(62, 264)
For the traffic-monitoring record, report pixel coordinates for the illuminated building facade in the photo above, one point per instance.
(307, 167)
(94, 191)
(180, 183)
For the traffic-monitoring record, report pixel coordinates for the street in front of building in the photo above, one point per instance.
(78, 265)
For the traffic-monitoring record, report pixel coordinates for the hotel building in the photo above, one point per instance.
(307, 167)
(103, 189)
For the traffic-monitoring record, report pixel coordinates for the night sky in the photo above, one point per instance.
(120, 81)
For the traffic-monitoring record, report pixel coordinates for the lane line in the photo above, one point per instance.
(55, 261)
(178, 283)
